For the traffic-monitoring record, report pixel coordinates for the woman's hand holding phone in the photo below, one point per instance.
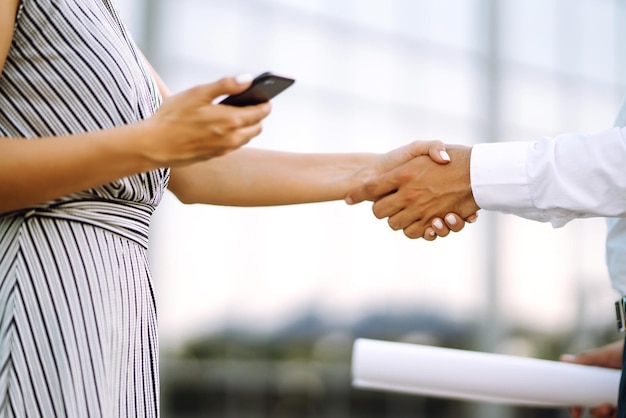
(189, 127)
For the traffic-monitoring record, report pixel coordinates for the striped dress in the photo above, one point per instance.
(78, 332)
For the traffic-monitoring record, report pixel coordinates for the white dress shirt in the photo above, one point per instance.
(559, 179)
(616, 235)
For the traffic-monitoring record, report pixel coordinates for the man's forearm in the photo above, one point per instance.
(554, 179)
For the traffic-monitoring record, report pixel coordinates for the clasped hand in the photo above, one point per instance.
(425, 196)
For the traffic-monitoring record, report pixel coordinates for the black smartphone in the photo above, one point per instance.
(263, 88)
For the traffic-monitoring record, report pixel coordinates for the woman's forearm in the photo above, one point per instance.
(37, 170)
(256, 177)
(186, 129)
(8, 11)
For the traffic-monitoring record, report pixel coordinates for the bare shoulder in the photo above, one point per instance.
(8, 12)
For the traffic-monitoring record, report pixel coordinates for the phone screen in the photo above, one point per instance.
(263, 88)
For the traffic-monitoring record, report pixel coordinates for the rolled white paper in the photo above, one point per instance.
(476, 376)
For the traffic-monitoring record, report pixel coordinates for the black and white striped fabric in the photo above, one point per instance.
(78, 334)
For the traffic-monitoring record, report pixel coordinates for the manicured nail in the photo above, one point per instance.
(567, 357)
(451, 220)
(438, 224)
(472, 219)
(243, 78)
(349, 200)
(431, 233)
(444, 155)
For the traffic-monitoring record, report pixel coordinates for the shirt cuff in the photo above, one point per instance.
(499, 176)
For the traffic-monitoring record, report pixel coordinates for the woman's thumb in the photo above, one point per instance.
(227, 86)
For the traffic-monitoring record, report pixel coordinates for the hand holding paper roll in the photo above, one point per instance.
(470, 375)
(609, 355)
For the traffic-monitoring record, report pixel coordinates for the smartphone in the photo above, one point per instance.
(263, 88)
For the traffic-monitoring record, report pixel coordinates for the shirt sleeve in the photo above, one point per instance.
(615, 250)
(554, 179)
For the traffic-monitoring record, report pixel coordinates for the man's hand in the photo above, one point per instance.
(417, 192)
(610, 356)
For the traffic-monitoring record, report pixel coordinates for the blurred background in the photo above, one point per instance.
(259, 307)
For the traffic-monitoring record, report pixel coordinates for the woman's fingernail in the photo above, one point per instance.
(444, 155)
(431, 233)
(567, 357)
(349, 200)
(243, 78)
(472, 219)
(438, 224)
(451, 220)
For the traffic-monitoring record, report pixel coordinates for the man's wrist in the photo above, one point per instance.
(461, 160)
(499, 177)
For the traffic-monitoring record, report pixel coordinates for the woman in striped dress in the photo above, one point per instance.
(86, 152)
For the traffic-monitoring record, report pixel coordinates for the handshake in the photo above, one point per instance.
(422, 188)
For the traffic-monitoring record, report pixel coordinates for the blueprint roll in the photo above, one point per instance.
(475, 376)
